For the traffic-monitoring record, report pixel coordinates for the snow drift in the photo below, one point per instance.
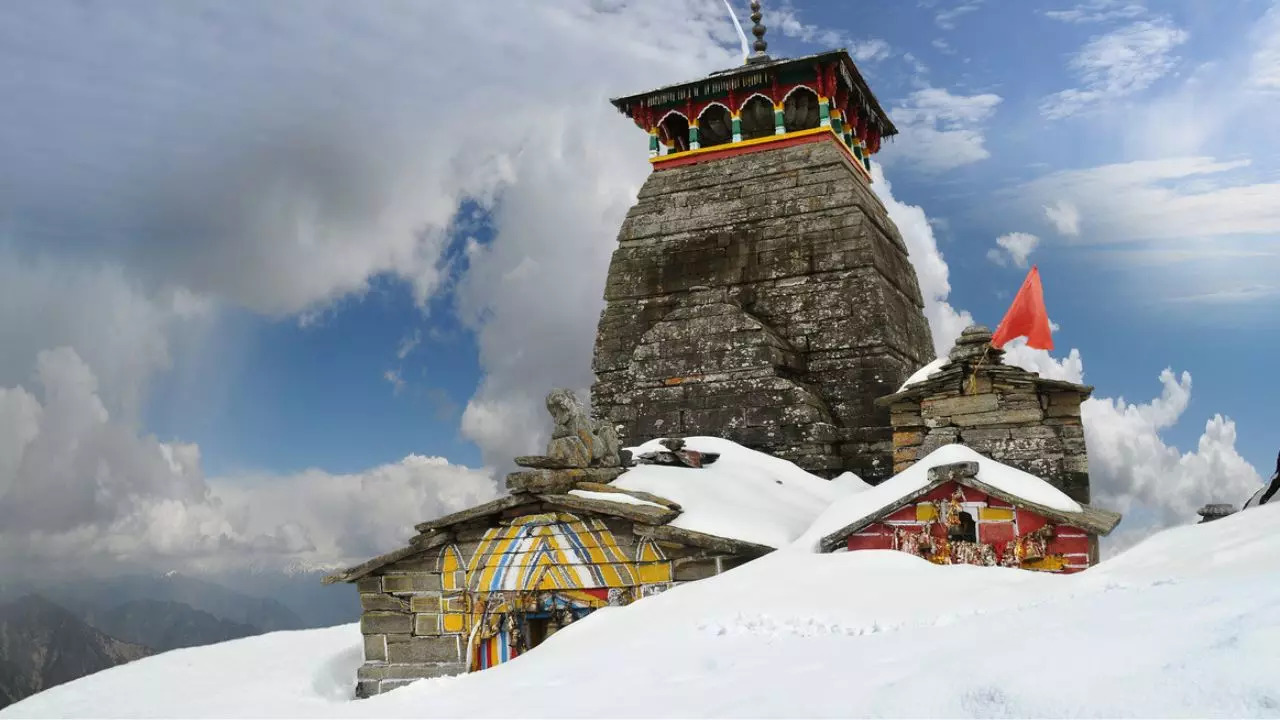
(1182, 625)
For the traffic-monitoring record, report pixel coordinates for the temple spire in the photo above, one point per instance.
(758, 30)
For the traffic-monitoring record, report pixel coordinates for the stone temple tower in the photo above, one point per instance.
(759, 291)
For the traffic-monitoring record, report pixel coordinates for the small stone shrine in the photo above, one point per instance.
(1006, 413)
(475, 588)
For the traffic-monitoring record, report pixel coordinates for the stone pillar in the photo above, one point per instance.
(779, 125)
(653, 142)
(693, 135)
(737, 126)
(824, 112)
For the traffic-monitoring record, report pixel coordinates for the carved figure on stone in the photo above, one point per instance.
(578, 440)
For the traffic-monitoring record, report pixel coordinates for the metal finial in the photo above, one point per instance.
(758, 30)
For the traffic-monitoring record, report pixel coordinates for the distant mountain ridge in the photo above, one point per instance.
(166, 625)
(43, 644)
(93, 598)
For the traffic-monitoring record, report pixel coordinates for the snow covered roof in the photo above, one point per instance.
(854, 512)
(945, 370)
(745, 502)
(925, 372)
(745, 495)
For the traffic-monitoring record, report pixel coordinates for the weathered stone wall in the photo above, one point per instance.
(403, 640)
(416, 625)
(1004, 412)
(766, 298)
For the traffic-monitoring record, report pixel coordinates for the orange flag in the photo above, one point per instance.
(1026, 316)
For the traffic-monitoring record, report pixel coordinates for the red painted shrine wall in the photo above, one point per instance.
(1006, 535)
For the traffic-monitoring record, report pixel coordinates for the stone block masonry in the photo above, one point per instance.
(1006, 413)
(766, 298)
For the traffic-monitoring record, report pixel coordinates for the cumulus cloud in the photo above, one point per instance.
(945, 322)
(1064, 216)
(307, 151)
(340, 519)
(1013, 248)
(287, 159)
(83, 489)
(125, 331)
(939, 130)
(1132, 469)
(1117, 64)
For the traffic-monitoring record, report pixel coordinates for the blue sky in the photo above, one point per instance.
(292, 244)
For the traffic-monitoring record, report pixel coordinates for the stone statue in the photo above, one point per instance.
(577, 439)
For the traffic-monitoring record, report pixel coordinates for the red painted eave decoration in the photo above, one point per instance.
(719, 152)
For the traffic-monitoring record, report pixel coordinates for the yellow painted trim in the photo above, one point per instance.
(744, 143)
(993, 513)
(777, 106)
(926, 512)
(454, 623)
(1050, 562)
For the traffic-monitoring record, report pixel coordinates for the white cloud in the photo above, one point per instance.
(344, 519)
(1014, 247)
(1248, 293)
(1175, 197)
(312, 150)
(397, 381)
(287, 200)
(1116, 65)
(83, 489)
(1131, 466)
(869, 50)
(1070, 368)
(785, 19)
(932, 272)
(126, 332)
(1264, 63)
(946, 19)
(1132, 469)
(1064, 216)
(408, 343)
(940, 131)
(1097, 11)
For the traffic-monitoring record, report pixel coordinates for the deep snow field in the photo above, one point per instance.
(1186, 624)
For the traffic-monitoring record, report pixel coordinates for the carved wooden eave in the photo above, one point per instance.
(1090, 519)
